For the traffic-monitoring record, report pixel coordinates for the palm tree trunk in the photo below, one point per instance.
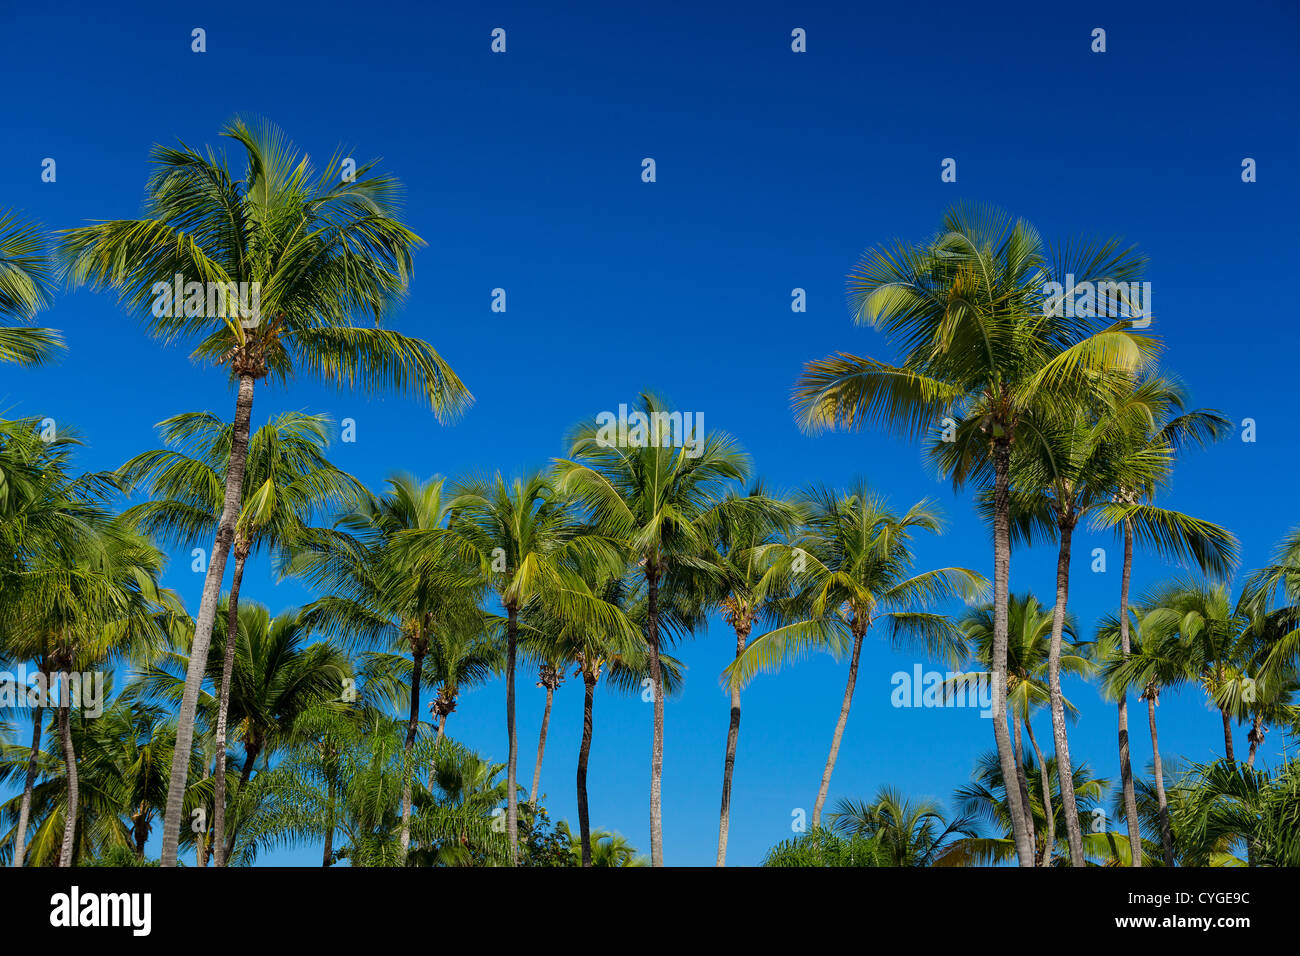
(203, 626)
(412, 722)
(250, 759)
(1074, 833)
(1227, 736)
(584, 751)
(328, 851)
(729, 760)
(541, 746)
(1001, 587)
(1166, 836)
(70, 763)
(1125, 765)
(512, 798)
(29, 784)
(1256, 738)
(203, 845)
(223, 707)
(859, 630)
(1045, 781)
(1023, 780)
(657, 744)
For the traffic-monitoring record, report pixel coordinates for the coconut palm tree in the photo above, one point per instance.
(311, 252)
(851, 567)
(984, 348)
(663, 504)
(1029, 635)
(25, 283)
(610, 849)
(288, 482)
(550, 675)
(911, 834)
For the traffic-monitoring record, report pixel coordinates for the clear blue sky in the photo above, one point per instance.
(775, 171)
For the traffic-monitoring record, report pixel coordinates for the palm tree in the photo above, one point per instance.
(315, 251)
(851, 567)
(287, 481)
(382, 592)
(1072, 466)
(983, 350)
(737, 584)
(550, 675)
(609, 849)
(1029, 634)
(663, 504)
(911, 834)
(25, 282)
(277, 676)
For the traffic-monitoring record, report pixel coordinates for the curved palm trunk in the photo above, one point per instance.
(203, 626)
(729, 760)
(512, 798)
(1166, 836)
(657, 744)
(584, 751)
(1125, 766)
(1045, 781)
(1001, 587)
(1256, 738)
(223, 707)
(411, 723)
(541, 745)
(29, 784)
(250, 759)
(1023, 780)
(70, 763)
(859, 630)
(1073, 832)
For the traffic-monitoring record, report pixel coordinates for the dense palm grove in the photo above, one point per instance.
(229, 732)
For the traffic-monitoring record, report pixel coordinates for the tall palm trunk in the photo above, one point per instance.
(1227, 736)
(541, 745)
(859, 631)
(1073, 832)
(1125, 766)
(584, 751)
(1023, 780)
(203, 626)
(512, 798)
(254, 748)
(411, 723)
(223, 706)
(29, 784)
(1166, 835)
(1001, 588)
(1045, 781)
(328, 851)
(657, 744)
(729, 760)
(70, 763)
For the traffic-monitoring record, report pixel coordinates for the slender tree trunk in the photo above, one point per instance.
(729, 760)
(541, 745)
(223, 706)
(70, 763)
(1049, 814)
(29, 784)
(859, 630)
(584, 752)
(250, 759)
(1166, 835)
(328, 851)
(1023, 780)
(203, 845)
(1001, 587)
(512, 797)
(411, 723)
(1227, 736)
(1256, 738)
(1073, 832)
(1125, 765)
(203, 626)
(657, 743)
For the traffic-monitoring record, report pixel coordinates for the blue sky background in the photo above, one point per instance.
(775, 170)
